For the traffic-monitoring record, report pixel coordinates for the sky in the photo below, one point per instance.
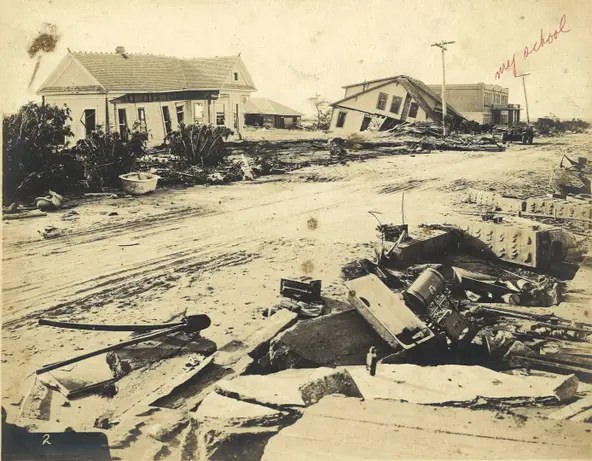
(295, 49)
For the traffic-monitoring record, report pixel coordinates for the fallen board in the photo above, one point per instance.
(350, 429)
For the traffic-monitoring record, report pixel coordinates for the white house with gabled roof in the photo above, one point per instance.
(117, 90)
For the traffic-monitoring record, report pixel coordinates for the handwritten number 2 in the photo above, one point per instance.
(45, 440)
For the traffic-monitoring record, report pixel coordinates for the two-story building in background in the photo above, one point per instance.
(157, 93)
(386, 102)
(486, 104)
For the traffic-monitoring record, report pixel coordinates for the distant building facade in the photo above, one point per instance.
(486, 104)
(266, 112)
(116, 91)
(386, 102)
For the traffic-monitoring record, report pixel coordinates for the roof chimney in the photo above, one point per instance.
(121, 50)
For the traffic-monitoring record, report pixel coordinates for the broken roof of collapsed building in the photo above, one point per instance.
(121, 71)
(427, 99)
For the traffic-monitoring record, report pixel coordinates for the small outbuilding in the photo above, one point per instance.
(269, 113)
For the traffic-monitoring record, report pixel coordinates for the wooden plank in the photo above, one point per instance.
(580, 410)
(348, 429)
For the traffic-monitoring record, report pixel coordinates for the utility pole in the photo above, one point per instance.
(442, 45)
(525, 99)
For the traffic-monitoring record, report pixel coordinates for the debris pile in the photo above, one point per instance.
(428, 135)
(453, 320)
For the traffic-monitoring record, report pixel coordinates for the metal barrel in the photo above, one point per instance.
(424, 289)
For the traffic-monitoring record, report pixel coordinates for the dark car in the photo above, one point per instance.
(524, 134)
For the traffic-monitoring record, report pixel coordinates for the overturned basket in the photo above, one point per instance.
(139, 183)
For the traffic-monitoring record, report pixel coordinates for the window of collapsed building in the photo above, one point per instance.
(396, 104)
(142, 119)
(381, 103)
(122, 118)
(166, 116)
(341, 119)
(180, 114)
(413, 109)
(90, 121)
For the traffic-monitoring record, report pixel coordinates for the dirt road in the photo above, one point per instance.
(221, 250)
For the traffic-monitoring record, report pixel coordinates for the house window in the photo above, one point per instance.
(90, 121)
(236, 76)
(142, 118)
(381, 104)
(413, 110)
(166, 116)
(180, 114)
(396, 104)
(122, 116)
(341, 119)
(198, 112)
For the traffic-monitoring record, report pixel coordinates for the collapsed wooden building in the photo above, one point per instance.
(383, 103)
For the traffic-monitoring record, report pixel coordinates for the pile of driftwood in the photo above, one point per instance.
(428, 135)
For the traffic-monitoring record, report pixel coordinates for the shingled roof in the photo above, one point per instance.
(267, 106)
(117, 72)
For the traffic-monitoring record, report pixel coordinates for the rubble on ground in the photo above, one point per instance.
(455, 322)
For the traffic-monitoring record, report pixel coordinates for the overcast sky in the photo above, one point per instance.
(297, 48)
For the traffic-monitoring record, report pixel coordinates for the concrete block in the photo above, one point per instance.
(518, 242)
(288, 389)
(226, 411)
(456, 383)
(494, 200)
(424, 245)
(350, 429)
(230, 444)
(336, 383)
(331, 340)
(580, 209)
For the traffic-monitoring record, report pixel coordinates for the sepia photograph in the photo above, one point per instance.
(285, 230)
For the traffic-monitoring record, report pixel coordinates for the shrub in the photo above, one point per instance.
(105, 156)
(33, 142)
(201, 145)
(552, 125)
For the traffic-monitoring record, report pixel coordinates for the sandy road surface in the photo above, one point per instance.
(222, 250)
